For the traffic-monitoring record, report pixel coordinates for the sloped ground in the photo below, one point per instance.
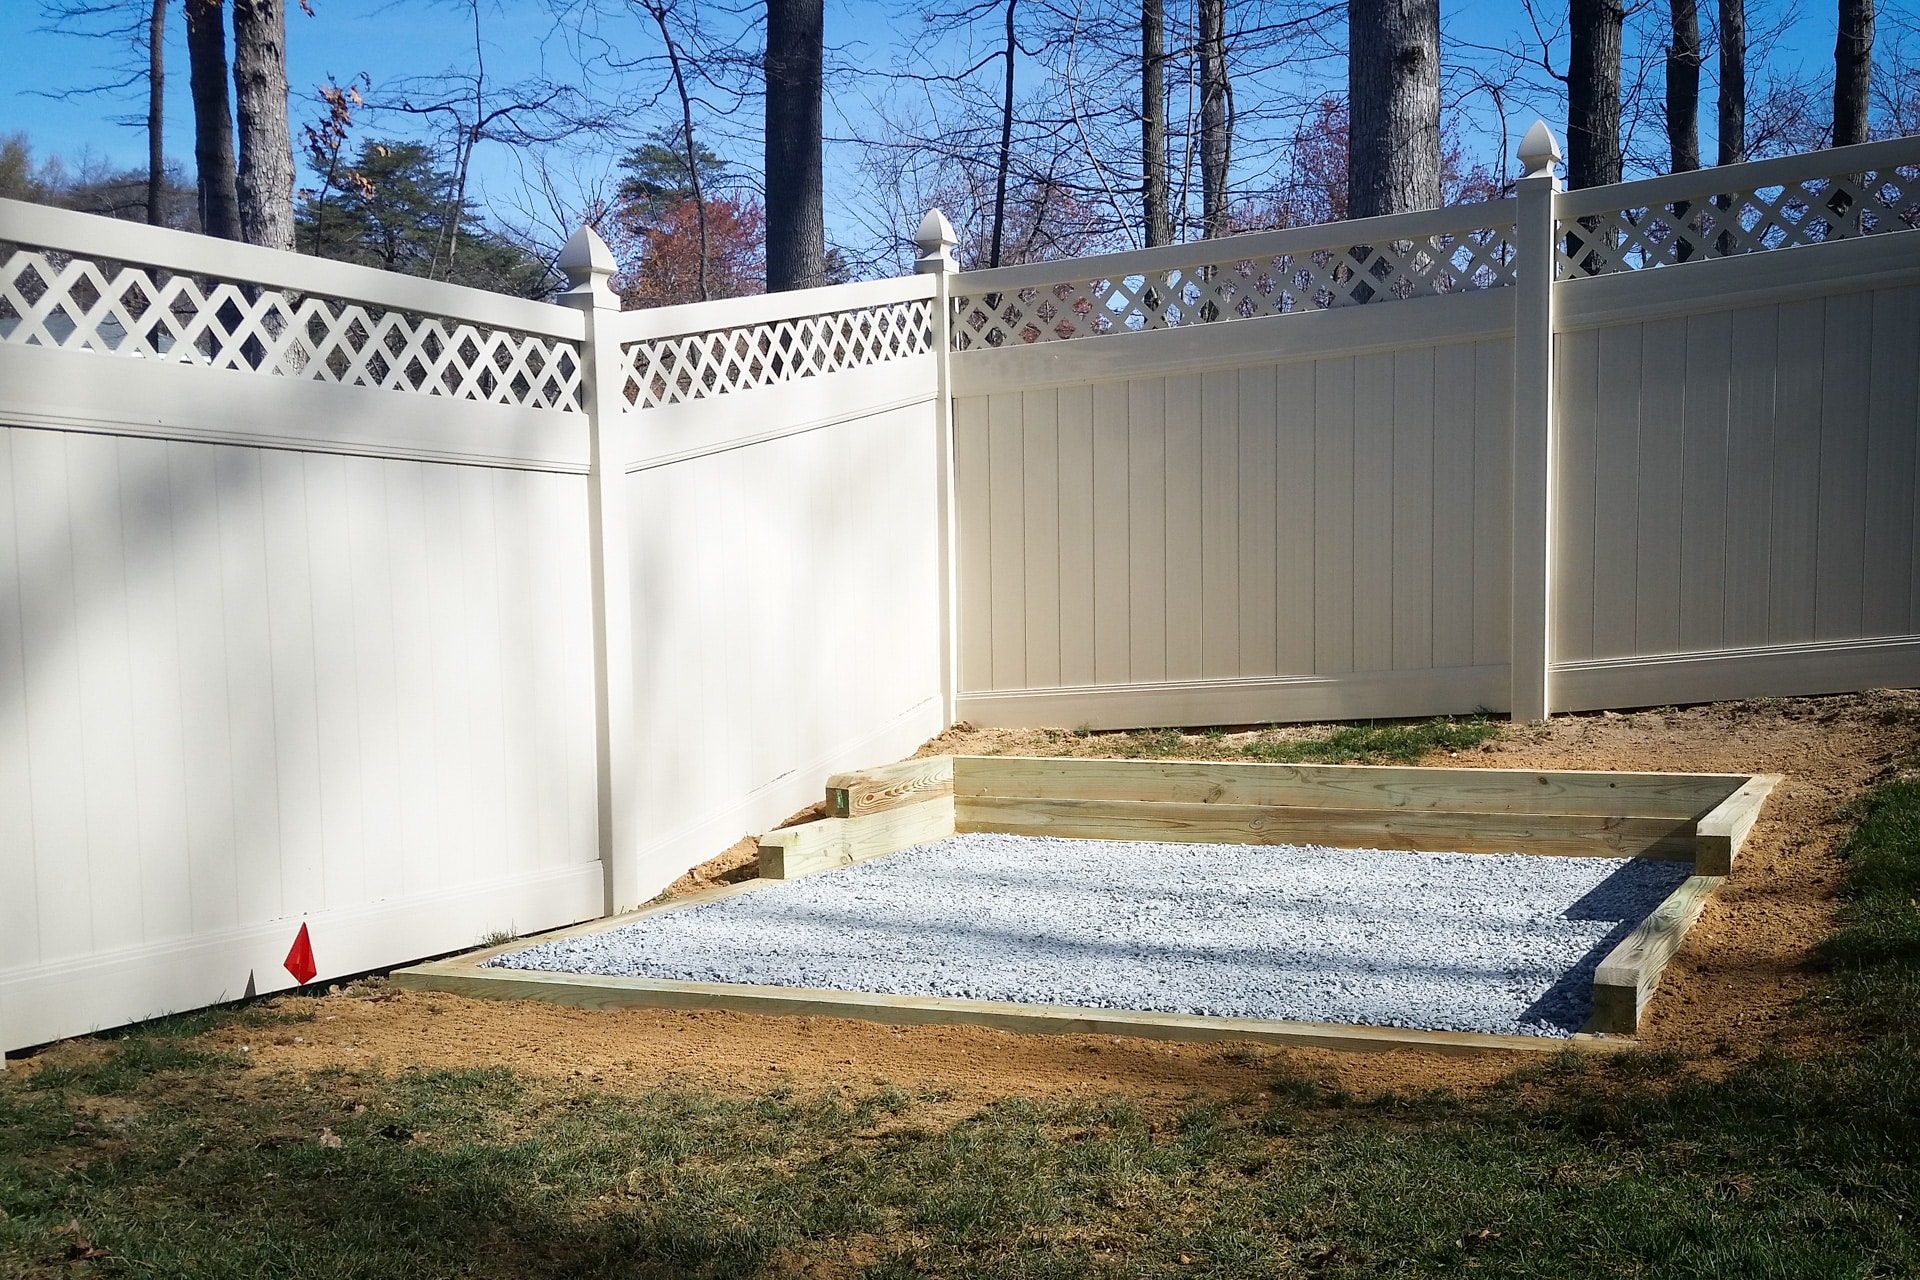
(1771, 1126)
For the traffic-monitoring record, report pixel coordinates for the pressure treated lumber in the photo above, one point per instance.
(1627, 978)
(588, 991)
(1723, 831)
(837, 842)
(1530, 791)
(1584, 835)
(850, 795)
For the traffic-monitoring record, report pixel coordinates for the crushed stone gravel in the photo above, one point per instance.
(1502, 943)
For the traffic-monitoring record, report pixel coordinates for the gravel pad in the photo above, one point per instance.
(1501, 943)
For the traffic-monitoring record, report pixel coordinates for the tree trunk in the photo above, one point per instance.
(1852, 70)
(1593, 92)
(266, 145)
(1006, 146)
(1393, 92)
(1216, 127)
(1733, 81)
(212, 118)
(156, 114)
(796, 233)
(1683, 87)
(1153, 123)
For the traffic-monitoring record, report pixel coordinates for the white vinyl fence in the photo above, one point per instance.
(412, 613)
(1390, 468)
(304, 579)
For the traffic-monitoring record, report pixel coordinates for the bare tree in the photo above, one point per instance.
(1393, 90)
(1593, 92)
(1733, 81)
(657, 10)
(1153, 123)
(265, 178)
(212, 118)
(1216, 117)
(156, 114)
(1852, 71)
(796, 227)
(142, 25)
(1683, 87)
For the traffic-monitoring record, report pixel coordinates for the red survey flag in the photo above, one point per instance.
(300, 960)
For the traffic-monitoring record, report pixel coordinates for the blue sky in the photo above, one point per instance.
(387, 39)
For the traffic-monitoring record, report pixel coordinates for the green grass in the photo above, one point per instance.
(1388, 742)
(182, 1160)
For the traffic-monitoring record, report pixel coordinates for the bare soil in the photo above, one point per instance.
(1733, 988)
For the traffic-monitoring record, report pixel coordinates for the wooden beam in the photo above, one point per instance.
(1422, 830)
(1396, 787)
(1627, 978)
(837, 842)
(850, 795)
(1723, 831)
(589, 991)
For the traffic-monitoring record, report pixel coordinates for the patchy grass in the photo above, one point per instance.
(160, 1155)
(1384, 742)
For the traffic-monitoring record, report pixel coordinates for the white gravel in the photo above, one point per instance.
(1445, 941)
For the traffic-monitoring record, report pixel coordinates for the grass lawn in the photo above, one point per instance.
(166, 1155)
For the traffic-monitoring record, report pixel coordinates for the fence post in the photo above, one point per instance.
(589, 266)
(936, 240)
(1534, 446)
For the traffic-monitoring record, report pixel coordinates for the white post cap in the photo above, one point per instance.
(1539, 151)
(588, 265)
(936, 241)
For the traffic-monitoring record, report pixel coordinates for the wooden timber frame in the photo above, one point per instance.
(1698, 818)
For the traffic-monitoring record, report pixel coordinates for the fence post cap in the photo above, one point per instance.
(588, 265)
(1539, 151)
(936, 240)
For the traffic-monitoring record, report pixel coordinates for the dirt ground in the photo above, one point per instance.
(1730, 991)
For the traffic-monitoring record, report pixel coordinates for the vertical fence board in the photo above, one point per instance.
(1451, 583)
(336, 693)
(1374, 516)
(1412, 509)
(159, 784)
(1076, 535)
(454, 730)
(1040, 538)
(1006, 452)
(1616, 489)
(206, 724)
(249, 674)
(1112, 572)
(1333, 505)
(1258, 505)
(288, 605)
(418, 866)
(1661, 500)
(480, 530)
(973, 480)
(370, 541)
(1793, 563)
(19, 891)
(1221, 601)
(1146, 531)
(1845, 414)
(1750, 465)
(100, 643)
(1493, 502)
(1576, 384)
(1287, 414)
(1893, 412)
(1703, 479)
(1185, 541)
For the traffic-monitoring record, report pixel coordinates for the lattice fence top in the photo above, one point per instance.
(50, 298)
(1723, 224)
(674, 370)
(1223, 285)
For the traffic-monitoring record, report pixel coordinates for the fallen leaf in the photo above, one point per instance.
(1474, 1239)
(330, 1139)
(79, 1248)
(1325, 1255)
(1735, 1186)
(394, 1132)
